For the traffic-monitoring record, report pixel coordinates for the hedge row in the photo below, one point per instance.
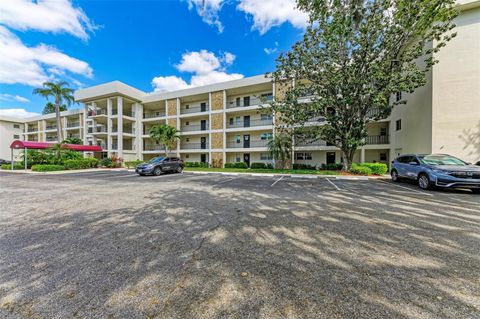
(260, 165)
(15, 166)
(368, 168)
(133, 164)
(47, 168)
(236, 165)
(196, 164)
(83, 163)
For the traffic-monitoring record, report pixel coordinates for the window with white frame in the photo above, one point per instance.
(266, 117)
(238, 120)
(16, 125)
(266, 157)
(238, 138)
(299, 156)
(383, 157)
(16, 137)
(238, 158)
(303, 156)
(307, 156)
(266, 136)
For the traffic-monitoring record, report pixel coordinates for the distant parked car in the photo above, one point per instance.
(2, 161)
(439, 170)
(159, 165)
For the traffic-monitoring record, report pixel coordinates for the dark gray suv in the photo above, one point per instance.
(159, 165)
(439, 170)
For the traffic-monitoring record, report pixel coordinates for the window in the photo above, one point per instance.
(237, 101)
(237, 138)
(267, 96)
(266, 157)
(187, 139)
(187, 123)
(230, 121)
(307, 156)
(16, 136)
(16, 125)
(383, 131)
(398, 125)
(266, 117)
(299, 156)
(238, 158)
(187, 156)
(383, 157)
(238, 120)
(246, 101)
(187, 107)
(266, 136)
(398, 96)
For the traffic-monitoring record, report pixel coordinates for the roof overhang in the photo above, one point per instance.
(115, 88)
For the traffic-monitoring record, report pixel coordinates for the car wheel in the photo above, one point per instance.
(424, 182)
(157, 171)
(179, 169)
(394, 175)
(475, 190)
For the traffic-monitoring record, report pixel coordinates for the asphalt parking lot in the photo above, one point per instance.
(117, 245)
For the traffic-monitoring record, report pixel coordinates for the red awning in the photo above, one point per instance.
(43, 145)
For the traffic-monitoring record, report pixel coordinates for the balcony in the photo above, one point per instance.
(249, 102)
(190, 128)
(114, 146)
(194, 109)
(312, 143)
(73, 124)
(73, 136)
(32, 129)
(151, 115)
(251, 123)
(129, 130)
(377, 139)
(194, 146)
(249, 144)
(97, 112)
(51, 138)
(129, 113)
(154, 147)
(98, 129)
(50, 127)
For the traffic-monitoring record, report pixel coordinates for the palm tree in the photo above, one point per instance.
(165, 134)
(280, 147)
(50, 108)
(61, 93)
(73, 140)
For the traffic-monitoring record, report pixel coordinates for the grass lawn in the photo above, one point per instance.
(256, 170)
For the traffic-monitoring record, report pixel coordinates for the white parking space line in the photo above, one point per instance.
(278, 180)
(407, 188)
(224, 181)
(338, 188)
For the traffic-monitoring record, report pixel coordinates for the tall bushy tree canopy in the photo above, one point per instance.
(354, 55)
(165, 134)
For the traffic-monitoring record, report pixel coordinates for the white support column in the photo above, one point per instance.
(120, 127)
(138, 130)
(210, 129)
(177, 117)
(64, 129)
(109, 126)
(362, 155)
(224, 127)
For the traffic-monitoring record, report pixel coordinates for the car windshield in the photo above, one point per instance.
(156, 160)
(441, 160)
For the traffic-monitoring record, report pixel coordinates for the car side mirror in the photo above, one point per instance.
(413, 163)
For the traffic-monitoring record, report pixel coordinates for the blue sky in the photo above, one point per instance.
(151, 45)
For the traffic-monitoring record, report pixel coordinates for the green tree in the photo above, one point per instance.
(164, 134)
(60, 92)
(280, 147)
(354, 56)
(73, 140)
(50, 108)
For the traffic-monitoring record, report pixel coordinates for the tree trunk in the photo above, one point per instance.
(59, 122)
(348, 155)
(166, 151)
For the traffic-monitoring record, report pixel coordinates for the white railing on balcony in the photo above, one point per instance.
(250, 144)
(154, 147)
(150, 115)
(250, 123)
(51, 138)
(194, 109)
(98, 129)
(310, 143)
(97, 112)
(129, 113)
(51, 127)
(194, 146)
(190, 128)
(377, 139)
(253, 102)
(33, 129)
(73, 124)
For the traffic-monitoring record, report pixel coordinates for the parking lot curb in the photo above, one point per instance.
(304, 176)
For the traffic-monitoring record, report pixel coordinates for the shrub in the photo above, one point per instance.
(106, 162)
(304, 166)
(81, 163)
(15, 166)
(112, 162)
(47, 168)
(360, 170)
(236, 165)
(196, 164)
(258, 165)
(133, 164)
(269, 166)
(332, 167)
(376, 168)
(70, 155)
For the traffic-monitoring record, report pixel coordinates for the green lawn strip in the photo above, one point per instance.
(265, 171)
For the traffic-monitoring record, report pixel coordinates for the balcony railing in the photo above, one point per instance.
(114, 146)
(252, 102)
(102, 145)
(73, 124)
(311, 143)
(377, 139)
(194, 146)
(33, 129)
(73, 136)
(129, 130)
(250, 123)
(250, 144)
(51, 127)
(97, 112)
(154, 147)
(129, 113)
(98, 129)
(189, 128)
(194, 109)
(51, 138)
(150, 115)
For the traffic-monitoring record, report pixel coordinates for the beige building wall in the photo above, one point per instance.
(456, 92)
(10, 130)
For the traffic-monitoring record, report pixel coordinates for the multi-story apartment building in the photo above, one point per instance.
(10, 129)
(226, 122)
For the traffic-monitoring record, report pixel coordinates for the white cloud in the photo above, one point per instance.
(10, 97)
(46, 15)
(30, 65)
(208, 10)
(207, 68)
(270, 13)
(19, 113)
